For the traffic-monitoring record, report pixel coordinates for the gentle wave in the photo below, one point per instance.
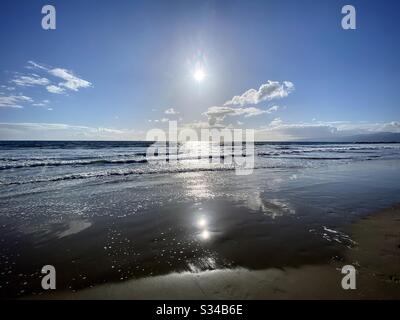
(70, 163)
(85, 163)
(128, 172)
(166, 157)
(113, 173)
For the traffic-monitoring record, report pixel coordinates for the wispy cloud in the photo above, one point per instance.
(55, 89)
(34, 65)
(203, 125)
(72, 82)
(171, 111)
(364, 127)
(273, 109)
(30, 81)
(268, 91)
(217, 114)
(44, 104)
(60, 131)
(14, 101)
(8, 88)
(278, 129)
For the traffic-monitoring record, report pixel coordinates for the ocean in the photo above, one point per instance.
(102, 212)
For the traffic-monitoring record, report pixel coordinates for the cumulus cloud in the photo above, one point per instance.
(14, 101)
(171, 111)
(268, 91)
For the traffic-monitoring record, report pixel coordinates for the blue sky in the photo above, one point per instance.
(112, 69)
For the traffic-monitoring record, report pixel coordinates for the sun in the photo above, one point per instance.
(199, 75)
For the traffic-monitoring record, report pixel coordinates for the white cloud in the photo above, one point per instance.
(171, 111)
(273, 109)
(72, 82)
(268, 91)
(280, 130)
(59, 131)
(277, 130)
(14, 101)
(43, 103)
(276, 122)
(8, 88)
(36, 65)
(159, 120)
(202, 125)
(31, 80)
(217, 114)
(55, 89)
(365, 127)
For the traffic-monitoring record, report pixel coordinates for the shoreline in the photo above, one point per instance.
(376, 258)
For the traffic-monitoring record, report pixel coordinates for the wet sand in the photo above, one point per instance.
(376, 257)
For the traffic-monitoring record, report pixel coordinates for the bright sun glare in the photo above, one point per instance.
(199, 75)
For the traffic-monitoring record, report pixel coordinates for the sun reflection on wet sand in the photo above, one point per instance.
(197, 186)
(202, 224)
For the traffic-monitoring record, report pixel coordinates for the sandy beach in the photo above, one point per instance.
(376, 256)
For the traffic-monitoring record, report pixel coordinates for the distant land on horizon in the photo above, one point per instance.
(379, 137)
